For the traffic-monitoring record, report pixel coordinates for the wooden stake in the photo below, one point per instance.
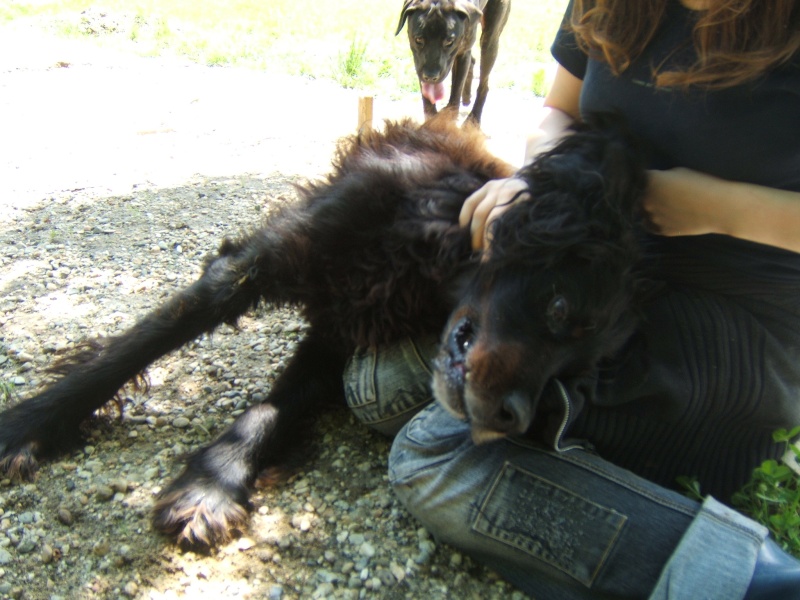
(364, 113)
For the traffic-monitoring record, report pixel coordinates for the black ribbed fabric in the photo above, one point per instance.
(714, 372)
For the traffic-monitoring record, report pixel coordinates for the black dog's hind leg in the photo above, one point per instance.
(48, 423)
(209, 499)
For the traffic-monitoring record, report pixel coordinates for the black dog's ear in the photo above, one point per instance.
(408, 6)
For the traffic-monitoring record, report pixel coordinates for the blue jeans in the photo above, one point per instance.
(557, 525)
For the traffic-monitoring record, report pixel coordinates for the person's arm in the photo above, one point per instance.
(560, 110)
(490, 201)
(685, 202)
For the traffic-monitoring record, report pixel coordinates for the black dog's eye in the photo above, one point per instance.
(557, 314)
(449, 41)
(420, 42)
(463, 336)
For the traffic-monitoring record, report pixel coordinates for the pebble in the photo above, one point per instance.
(26, 518)
(181, 423)
(426, 550)
(104, 493)
(245, 543)
(47, 554)
(131, 589)
(366, 549)
(100, 548)
(26, 546)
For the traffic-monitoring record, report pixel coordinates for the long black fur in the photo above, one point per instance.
(371, 254)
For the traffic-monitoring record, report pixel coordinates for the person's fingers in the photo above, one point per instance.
(465, 217)
(486, 204)
(498, 210)
(480, 214)
(511, 191)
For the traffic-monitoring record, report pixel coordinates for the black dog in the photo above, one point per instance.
(372, 254)
(441, 34)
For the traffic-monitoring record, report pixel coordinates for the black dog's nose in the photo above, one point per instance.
(516, 413)
(511, 417)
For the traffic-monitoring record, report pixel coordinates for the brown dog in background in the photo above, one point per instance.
(441, 34)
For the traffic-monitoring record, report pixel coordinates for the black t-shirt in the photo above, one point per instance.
(748, 133)
(715, 369)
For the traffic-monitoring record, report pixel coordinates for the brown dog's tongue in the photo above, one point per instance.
(433, 91)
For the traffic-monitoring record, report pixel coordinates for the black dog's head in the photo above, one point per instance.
(555, 294)
(438, 31)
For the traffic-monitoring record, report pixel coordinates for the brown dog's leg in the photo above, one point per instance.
(466, 94)
(495, 16)
(461, 68)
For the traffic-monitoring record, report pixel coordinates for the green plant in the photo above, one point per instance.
(691, 487)
(540, 81)
(772, 496)
(7, 391)
(350, 68)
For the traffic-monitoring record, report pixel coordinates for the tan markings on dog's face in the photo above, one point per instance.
(492, 367)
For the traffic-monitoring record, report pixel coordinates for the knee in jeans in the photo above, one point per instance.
(385, 387)
(431, 471)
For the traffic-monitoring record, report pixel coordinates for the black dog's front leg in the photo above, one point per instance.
(48, 423)
(209, 499)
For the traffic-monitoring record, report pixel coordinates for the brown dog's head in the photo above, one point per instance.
(438, 31)
(555, 294)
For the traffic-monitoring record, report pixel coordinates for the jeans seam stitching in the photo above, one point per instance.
(394, 416)
(577, 461)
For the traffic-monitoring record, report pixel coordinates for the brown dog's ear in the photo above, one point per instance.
(468, 9)
(408, 6)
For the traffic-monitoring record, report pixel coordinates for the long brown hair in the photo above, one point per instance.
(736, 40)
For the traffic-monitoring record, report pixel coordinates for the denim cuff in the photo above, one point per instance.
(715, 558)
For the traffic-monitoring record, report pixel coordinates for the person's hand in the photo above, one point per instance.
(681, 201)
(488, 203)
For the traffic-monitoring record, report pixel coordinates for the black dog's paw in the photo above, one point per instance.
(18, 462)
(200, 513)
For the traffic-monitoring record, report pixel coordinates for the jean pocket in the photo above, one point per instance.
(549, 523)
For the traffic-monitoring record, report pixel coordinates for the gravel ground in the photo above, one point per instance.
(117, 176)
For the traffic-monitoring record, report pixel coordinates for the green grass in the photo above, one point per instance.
(341, 41)
(771, 497)
(8, 391)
